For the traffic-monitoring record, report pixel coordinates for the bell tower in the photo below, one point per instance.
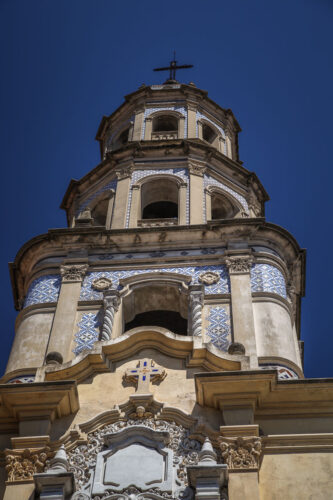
(157, 341)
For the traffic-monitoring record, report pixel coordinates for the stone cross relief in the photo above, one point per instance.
(143, 374)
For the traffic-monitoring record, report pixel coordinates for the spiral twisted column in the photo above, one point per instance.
(196, 298)
(111, 303)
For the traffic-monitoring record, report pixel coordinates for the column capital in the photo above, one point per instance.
(196, 169)
(123, 173)
(111, 298)
(239, 263)
(241, 453)
(72, 273)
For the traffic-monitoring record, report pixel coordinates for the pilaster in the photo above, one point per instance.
(148, 129)
(135, 206)
(196, 193)
(138, 122)
(191, 121)
(182, 204)
(121, 200)
(64, 319)
(181, 127)
(239, 267)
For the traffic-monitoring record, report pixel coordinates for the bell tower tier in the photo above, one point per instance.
(157, 348)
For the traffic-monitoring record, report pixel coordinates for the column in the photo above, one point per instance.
(148, 129)
(239, 267)
(242, 455)
(191, 122)
(196, 193)
(181, 127)
(65, 315)
(121, 199)
(110, 210)
(135, 210)
(182, 204)
(138, 123)
(111, 304)
(196, 299)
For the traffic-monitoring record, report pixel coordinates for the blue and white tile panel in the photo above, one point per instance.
(22, 379)
(149, 111)
(268, 278)
(222, 287)
(219, 327)
(88, 332)
(181, 173)
(284, 372)
(86, 203)
(43, 289)
(220, 129)
(211, 181)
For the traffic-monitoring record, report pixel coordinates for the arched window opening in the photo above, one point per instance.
(222, 208)
(156, 305)
(208, 133)
(165, 127)
(159, 200)
(121, 139)
(99, 213)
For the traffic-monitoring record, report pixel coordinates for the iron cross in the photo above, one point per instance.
(173, 68)
(143, 375)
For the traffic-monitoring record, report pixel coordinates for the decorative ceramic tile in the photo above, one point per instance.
(219, 327)
(211, 181)
(88, 332)
(284, 372)
(268, 278)
(85, 203)
(149, 111)
(22, 379)
(222, 287)
(43, 289)
(181, 173)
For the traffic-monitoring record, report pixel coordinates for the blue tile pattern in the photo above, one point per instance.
(211, 181)
(88, 332)
(149, 111)
(22, 379)
(43, 289)
(181, 173)
(219, 327)
(268, 278)
(222, 287)
(86, 202)
(284, 372)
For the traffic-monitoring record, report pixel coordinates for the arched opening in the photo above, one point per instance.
(208, 133)
(99, 212)
(165, 127)
(159, 200)
(156, 305)
(222, 208)
(121, 139)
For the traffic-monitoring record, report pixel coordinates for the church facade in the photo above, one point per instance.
(157, 348)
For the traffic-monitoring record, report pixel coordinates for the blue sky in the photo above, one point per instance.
(66, 63)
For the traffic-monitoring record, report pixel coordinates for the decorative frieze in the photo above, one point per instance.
(241, 453)
(72, 273)
(21, 465)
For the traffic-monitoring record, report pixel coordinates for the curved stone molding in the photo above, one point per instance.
(284, 372)
(241, 453)
(211, 181)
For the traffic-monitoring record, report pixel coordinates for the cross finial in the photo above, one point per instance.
(143, 374)
(172, 68)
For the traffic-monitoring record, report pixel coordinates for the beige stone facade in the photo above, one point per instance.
(163, 323)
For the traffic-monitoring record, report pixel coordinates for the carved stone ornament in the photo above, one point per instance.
(96, 462)
(239, 265)
(241, 452)
(73, 272)
(209, 278)
(122, 173)
(196, 169)
(101, 284)
(21, 465)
